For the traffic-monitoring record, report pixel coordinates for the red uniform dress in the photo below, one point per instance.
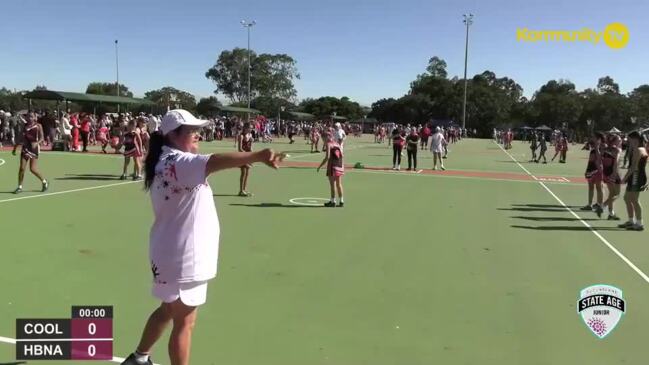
(594, 173)
(315, 135)
(132, 143)
(335, 166)
(74, 120)
(609, 167)
(246, 145)
(30, 143)
(102, 134)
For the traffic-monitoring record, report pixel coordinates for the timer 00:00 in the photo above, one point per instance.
(92, 313)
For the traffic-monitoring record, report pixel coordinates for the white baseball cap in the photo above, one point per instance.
(177, 117)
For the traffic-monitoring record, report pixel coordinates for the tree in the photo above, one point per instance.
(639, 103)
(606, 85)
(437, 67)
(327, 105)
(108, 88)
(170, 97)
(270, 106)
(208, 106)
(271, 75)
(556, 103)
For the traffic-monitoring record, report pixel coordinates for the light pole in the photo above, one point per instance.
(248, 25)
(468, 20)
(117, 71)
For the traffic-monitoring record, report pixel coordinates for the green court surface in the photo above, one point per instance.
(478, 265)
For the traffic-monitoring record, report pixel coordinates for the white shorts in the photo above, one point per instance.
(191, 294)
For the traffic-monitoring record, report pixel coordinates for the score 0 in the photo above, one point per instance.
(92, 332)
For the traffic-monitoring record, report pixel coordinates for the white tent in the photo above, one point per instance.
(614, 130)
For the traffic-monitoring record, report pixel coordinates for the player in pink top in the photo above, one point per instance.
(335, 172)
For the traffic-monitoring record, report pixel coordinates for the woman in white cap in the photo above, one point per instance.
(437, 148)
(184, 240)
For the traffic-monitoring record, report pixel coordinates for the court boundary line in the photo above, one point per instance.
(2, 162)
(67, 191)
(593, 230)
(12, 341)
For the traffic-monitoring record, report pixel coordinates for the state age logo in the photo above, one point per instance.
(601, 307)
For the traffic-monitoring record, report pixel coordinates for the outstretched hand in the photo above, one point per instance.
(272, 159)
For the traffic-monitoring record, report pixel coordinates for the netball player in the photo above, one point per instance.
(412, 142)
(31, 141)
(184, 239)
(636, 180)
(398, 140)
(244, 144)
(335, 171)
(610, 154)
(102, 136)
(132, 149)
(594, 174)
(544, 147)
(315, 138)
(437, 142)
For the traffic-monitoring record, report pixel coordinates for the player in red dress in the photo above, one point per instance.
(335, 172)
(144, 134)
(244, 144)
(315, 138)
(32, 138)
(132, 149)
(102, 136)
(594, 174)
(611, 175)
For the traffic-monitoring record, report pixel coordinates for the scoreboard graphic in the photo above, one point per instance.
(86, 335)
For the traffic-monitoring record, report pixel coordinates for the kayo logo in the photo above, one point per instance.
(615, 35)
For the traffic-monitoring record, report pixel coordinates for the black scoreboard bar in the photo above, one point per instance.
(87, 335)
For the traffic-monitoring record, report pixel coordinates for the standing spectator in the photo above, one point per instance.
(397, 148)
(74, 121)
(437, 148)
(412, 143)
(85, 131)
(65, 130)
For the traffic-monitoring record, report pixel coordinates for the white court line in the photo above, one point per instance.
(2, 162)
(12, 341)
(67, 191)
(593, 230)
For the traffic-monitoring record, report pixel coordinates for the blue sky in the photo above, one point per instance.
(363, 49)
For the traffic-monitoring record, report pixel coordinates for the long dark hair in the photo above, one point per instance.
(156, 141)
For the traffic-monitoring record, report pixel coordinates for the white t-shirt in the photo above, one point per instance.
(184, 241)
(437, 142)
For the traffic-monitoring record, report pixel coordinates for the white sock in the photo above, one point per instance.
(639, 222)
(341, 199)
(333, 200)
(140, 357)
(20, 186)
(44, 181)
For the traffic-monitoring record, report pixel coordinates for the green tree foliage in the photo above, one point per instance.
(107, 88)
(272, 75)
(171, 97)
(208, 106)
(270, 106)
(327, 105)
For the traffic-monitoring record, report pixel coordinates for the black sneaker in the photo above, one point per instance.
(635, 227)
(123, 177)
(613, 217)
(46, 185)
(330, 204)
(18, 190)
(131, 361)
(625, 225)
(599, 210)
(341, 204)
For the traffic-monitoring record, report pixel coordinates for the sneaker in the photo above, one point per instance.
(341, 204)
(244, 194)
(398, 168)
(625, 225)
(18, 190)
(613, 217)
(586, 208)
(444, 157)
(123, 177)
(443, 168)
(599, 210)
(635, 227)
(46, 185)
(137, 177)
(545, 162)
(131, 361)
(408, 169)
(330, 204)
